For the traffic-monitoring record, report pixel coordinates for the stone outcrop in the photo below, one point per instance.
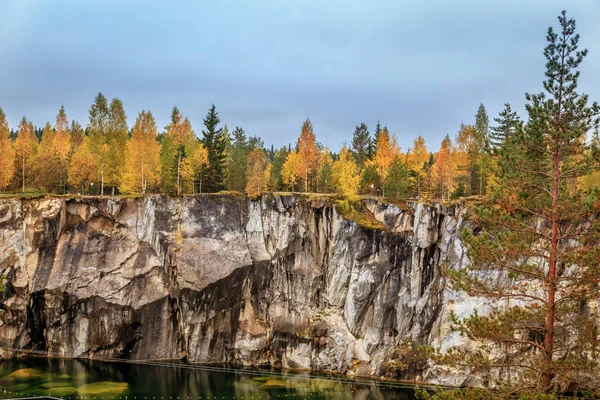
(281, 280)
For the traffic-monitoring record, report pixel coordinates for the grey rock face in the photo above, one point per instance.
(280, 281)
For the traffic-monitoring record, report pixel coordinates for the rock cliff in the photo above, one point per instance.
(281, 280)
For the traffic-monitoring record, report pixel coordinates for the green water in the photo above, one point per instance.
(81, 379)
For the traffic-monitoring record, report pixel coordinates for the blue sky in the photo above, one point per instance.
(421, 68)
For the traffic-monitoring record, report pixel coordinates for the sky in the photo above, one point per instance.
(419, 67)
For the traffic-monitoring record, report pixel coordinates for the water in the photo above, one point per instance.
(103, 380)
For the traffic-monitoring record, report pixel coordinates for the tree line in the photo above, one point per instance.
(109, 157)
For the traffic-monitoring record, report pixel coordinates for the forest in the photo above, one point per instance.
(109, 157)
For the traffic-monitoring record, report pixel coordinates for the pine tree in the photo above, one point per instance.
(213, 141)
(534, 257)
(7, 153)
(361, 141)
(508, 123)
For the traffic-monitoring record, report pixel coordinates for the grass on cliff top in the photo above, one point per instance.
(355, 211)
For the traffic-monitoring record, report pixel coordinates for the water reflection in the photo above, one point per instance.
(73, 379)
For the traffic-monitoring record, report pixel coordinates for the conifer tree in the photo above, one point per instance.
(324, 173)
(370, 181)
(236, 178)
(7, 153)
(276, 180)
(482, 140)
(397, 183)
(361, 141)
(534, 256)
(508, 122)
(213, 141)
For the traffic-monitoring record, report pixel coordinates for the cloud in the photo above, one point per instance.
(420, 68)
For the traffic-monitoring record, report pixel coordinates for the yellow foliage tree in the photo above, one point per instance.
(193, 166)
(257, 173)
(444, 168)
(7, 153)
(183, 138)
(25, 149)
(47, 162)
(142, 161)
(387, 151)
(417, 157)
(308, 153)
(290, 170)
(84, 168)
(345, 174)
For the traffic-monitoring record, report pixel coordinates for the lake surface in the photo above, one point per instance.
(82, 379)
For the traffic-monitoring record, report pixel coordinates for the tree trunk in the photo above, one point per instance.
(102, 181)
(547, 368)
(179, 172)
(23, 173)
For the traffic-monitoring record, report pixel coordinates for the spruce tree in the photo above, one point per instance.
(236, 178)
(534, 252)
(361, 142)
(482, 141)
(396, 183)
(212, 139)
(508, 122)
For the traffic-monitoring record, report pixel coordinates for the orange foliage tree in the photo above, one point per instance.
(308, 153)
(257, 173)
(7, 153)
(25, 149)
